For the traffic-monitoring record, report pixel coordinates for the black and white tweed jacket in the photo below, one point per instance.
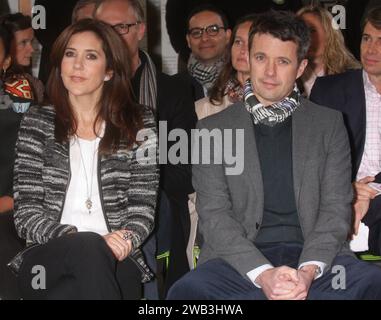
(128, 187)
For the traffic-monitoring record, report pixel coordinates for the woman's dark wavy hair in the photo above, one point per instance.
(123, 117)
(217, 92)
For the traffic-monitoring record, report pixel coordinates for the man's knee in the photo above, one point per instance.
(192, 285)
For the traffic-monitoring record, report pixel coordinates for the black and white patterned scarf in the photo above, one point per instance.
(205, 74)
(274, 113)
(234, 90)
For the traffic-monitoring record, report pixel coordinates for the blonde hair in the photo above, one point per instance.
(336, 57)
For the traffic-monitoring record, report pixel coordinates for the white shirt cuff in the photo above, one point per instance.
(253, 274)
(321, 266)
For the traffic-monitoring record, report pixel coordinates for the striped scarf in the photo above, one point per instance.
(148, 84)
(205, 74)
(234, 90)
(272, 114)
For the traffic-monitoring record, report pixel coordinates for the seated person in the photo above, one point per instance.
(278, 227)
(327, 53)
(357, 94)
(21, 52)
(85, 184)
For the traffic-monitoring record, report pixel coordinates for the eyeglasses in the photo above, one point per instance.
(124, 28)
(212, 31)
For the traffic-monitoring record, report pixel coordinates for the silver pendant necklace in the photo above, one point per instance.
(89, 189)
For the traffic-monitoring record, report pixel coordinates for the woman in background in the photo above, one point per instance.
(86, 176)
(19, 74)
(228, 88)
(328, 53)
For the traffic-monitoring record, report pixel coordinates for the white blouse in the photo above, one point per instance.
(75, 211)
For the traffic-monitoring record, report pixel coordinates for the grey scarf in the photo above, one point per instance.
(205, 74)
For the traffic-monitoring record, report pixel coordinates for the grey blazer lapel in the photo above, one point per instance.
(301, 130)
(252, 164)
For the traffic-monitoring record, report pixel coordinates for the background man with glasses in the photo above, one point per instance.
(171, 99)
(208, 36)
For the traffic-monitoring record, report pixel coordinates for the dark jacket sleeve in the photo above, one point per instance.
(177, 111)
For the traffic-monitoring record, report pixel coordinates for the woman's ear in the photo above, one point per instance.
(108, 75)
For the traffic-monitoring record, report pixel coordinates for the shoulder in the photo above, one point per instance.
(337, 80)
(41, 114)
(205, 108)
(320, 113)
(232, 117)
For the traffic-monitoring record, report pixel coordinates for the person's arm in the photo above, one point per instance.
(180, 115)
(143, 184)
(30, 217)
(364, 194)
(331, 229)
(6, 204)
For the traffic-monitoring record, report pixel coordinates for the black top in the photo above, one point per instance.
(280, 218)
(9, 127)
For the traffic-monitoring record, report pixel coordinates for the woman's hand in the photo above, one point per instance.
(119, 245)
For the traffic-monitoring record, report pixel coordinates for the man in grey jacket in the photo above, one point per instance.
(279, 229)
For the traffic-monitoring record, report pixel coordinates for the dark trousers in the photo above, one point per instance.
(217, 280)
(78, 266)
(10, 245)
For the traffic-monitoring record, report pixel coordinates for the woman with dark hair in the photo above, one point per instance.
(86, 176)
(228, 88)
(19, 74)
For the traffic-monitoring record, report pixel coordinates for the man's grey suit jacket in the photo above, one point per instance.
(230, 207)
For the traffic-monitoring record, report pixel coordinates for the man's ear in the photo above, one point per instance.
(188, 41)
(228, 35)
(141, 30)
(301, 68)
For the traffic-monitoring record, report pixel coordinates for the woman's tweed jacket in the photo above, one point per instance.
(128, 187)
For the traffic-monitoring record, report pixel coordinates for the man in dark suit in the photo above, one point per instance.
(278, 228)
(171, 99)
(358, 95)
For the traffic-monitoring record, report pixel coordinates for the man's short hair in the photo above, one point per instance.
(373, 17)
(136, 6)
(285, 26)
(211, 8)
(81, 4)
